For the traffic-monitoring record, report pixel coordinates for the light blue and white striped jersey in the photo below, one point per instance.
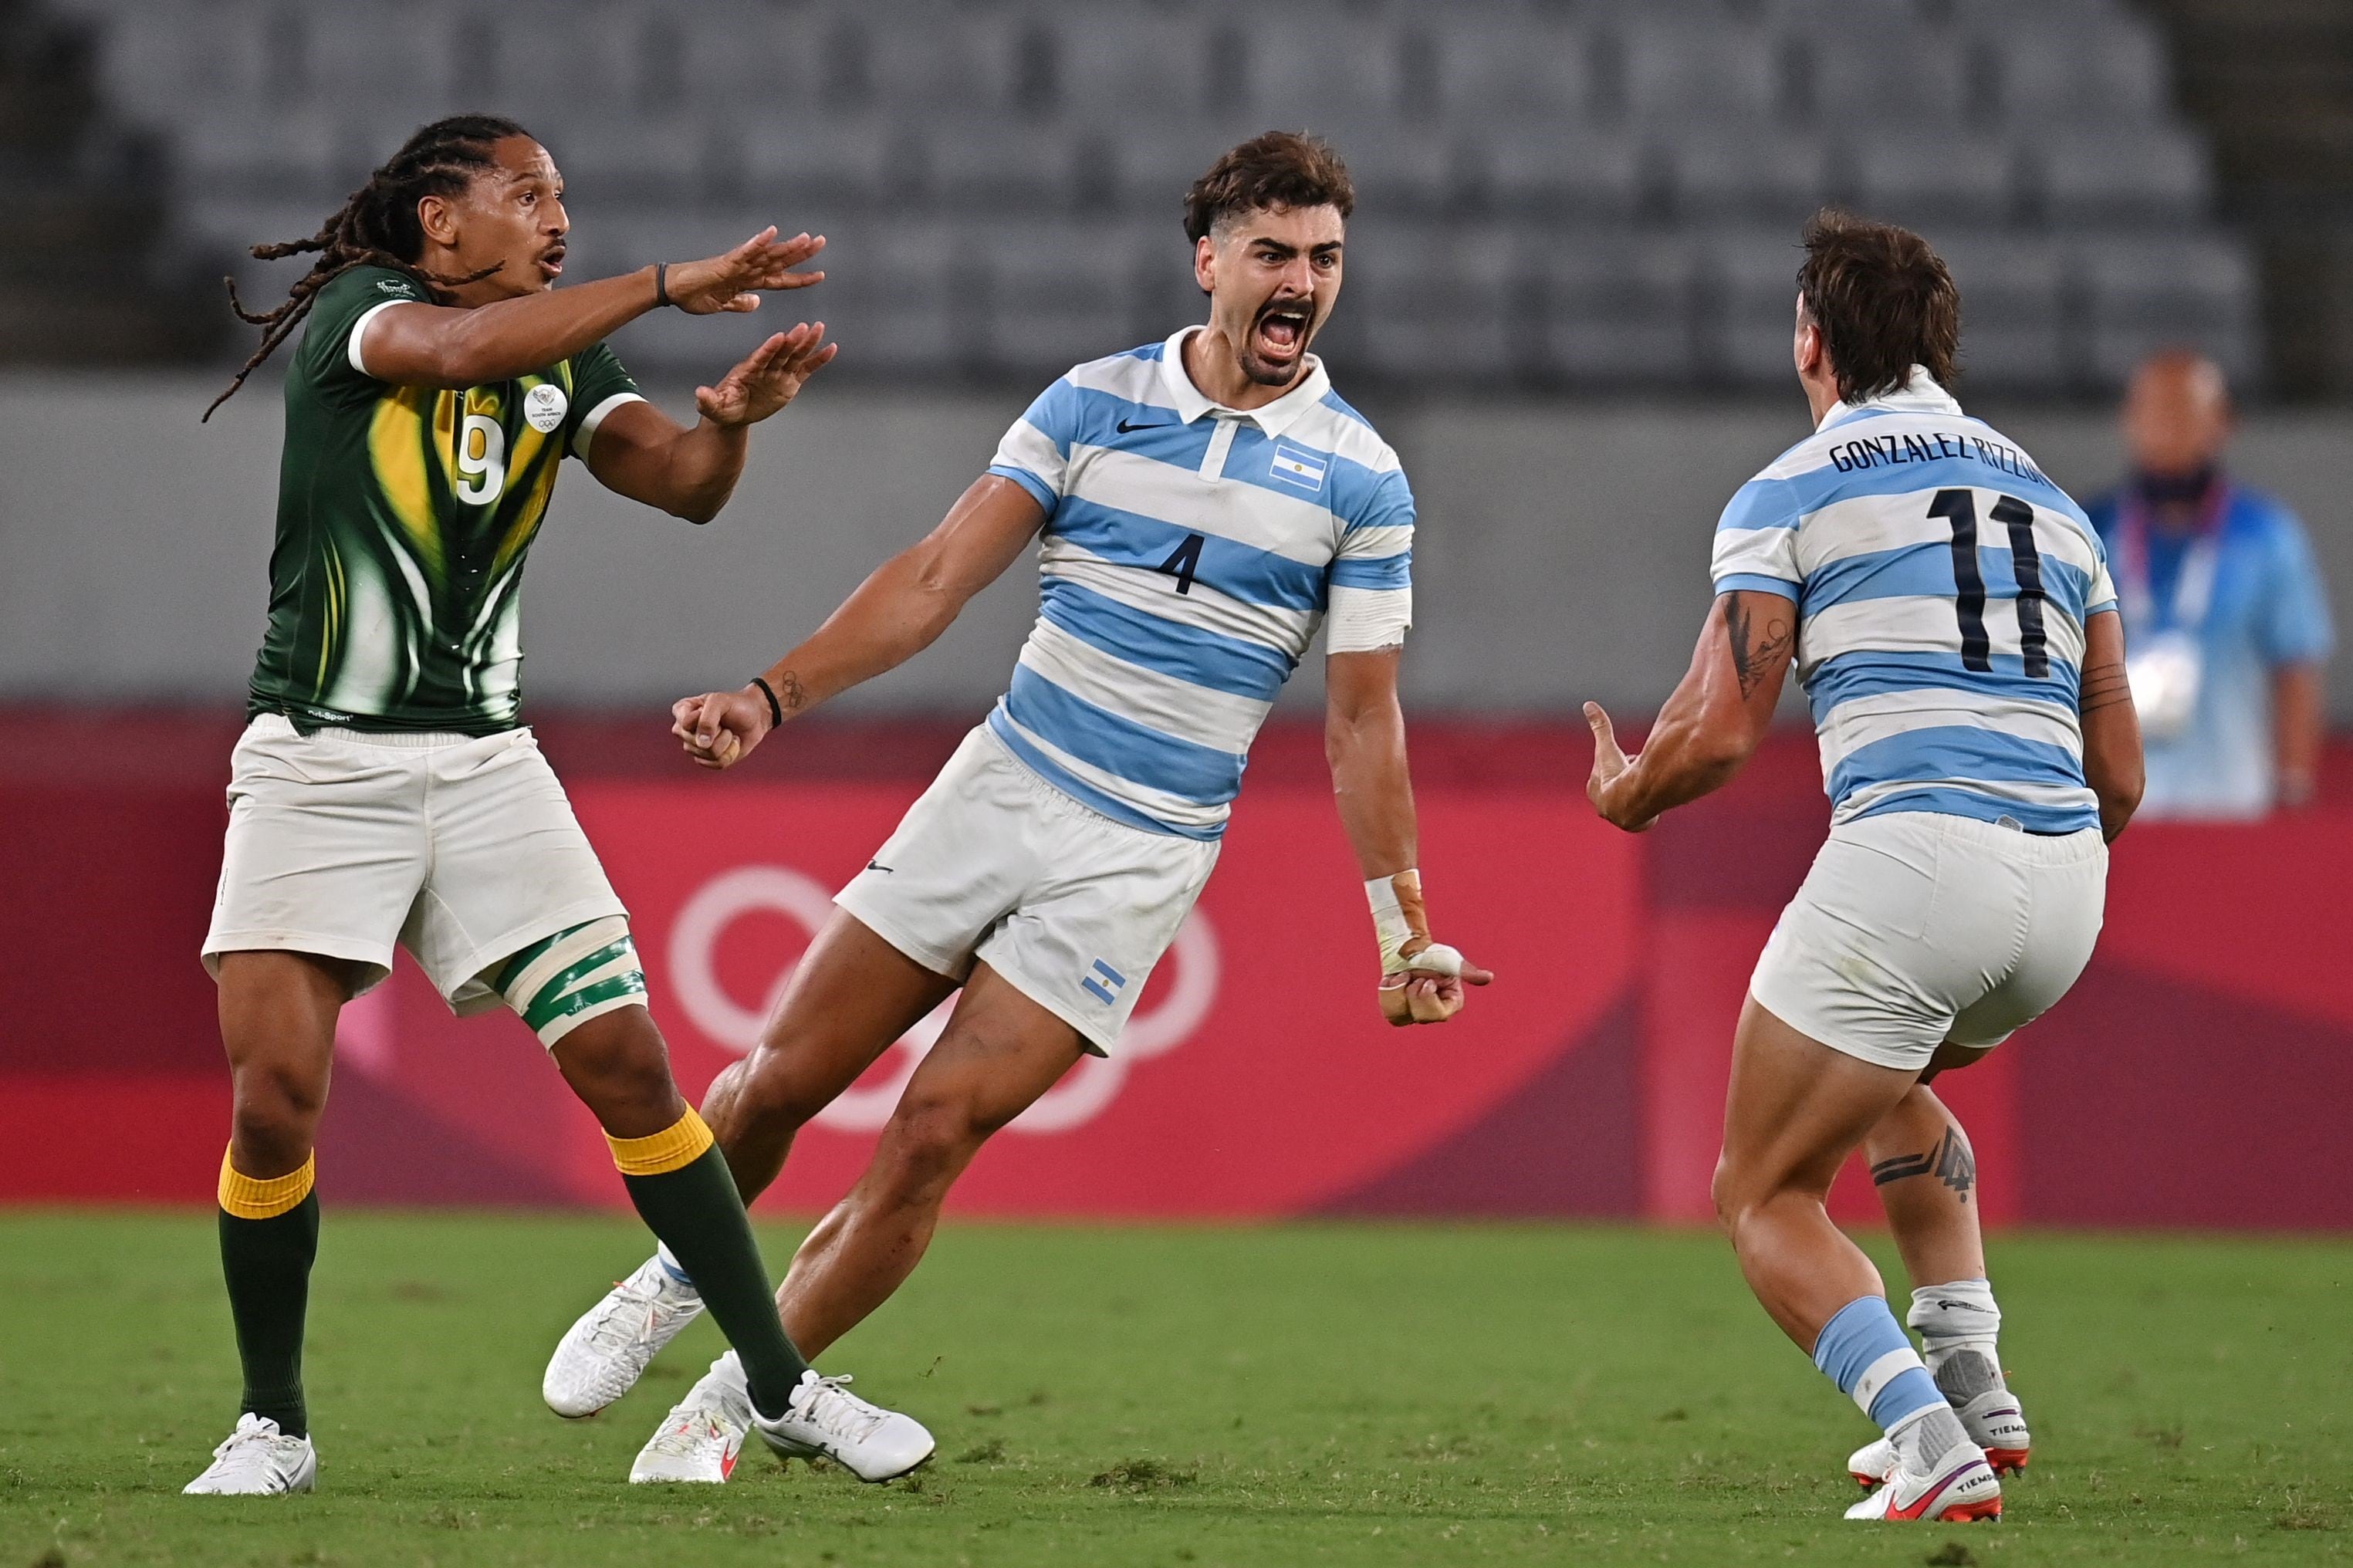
(1942, 584)
(1189, 552)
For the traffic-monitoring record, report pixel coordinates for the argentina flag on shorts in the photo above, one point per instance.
(1189, 553)
(1942, 584)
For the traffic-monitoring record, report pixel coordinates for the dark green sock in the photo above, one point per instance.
(268, 1264)
(698, 1215)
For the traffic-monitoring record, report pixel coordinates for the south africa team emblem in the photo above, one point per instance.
(544, 406)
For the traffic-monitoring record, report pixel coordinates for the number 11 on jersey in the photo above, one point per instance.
(1960, 507)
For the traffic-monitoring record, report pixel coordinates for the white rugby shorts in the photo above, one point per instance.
(995, 864)
(460, 849)
(1918, 928)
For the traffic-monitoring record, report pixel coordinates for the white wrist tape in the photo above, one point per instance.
(1398, 917)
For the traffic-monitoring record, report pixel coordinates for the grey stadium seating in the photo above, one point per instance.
(1569, 193)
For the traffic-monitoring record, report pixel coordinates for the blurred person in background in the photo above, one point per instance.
(2226, 614)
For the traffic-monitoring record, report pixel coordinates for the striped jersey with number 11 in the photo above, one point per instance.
(1189, 552)
(1942, 584)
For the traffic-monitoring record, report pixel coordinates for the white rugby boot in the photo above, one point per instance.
(1872, 1464)
(824, 1418)
(1995, 1424)
(257, 1460)
(1990, 1413)
(699, 1438)
(601, 1356)
(1960, 1488)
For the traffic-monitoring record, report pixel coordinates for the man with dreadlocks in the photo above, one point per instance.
(384, 793)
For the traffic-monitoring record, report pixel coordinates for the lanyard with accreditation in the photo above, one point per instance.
(2167, 662)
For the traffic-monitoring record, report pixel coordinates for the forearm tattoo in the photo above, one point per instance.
(2104, 686)
(791, 695)
(1757, 652)
(1950, 1163)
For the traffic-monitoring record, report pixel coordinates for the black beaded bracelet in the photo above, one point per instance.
(661, 298)
(776, 709)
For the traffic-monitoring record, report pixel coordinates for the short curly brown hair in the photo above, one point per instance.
(1280, 169)
(1884, 303)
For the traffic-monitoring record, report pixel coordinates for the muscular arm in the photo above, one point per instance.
(2112, 761)
(642, 452)
(1364, 743)
(416, 345)
(2297, 727)
(895, 614)
(1712, 723)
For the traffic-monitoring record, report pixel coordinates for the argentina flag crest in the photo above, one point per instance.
(1298, 467)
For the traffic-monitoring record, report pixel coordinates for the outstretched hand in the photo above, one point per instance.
(719, 729)
(771, 377)
(1604, 786)
(734, 281)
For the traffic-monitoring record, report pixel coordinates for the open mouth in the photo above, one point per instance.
(1282, 330)
(550, 261)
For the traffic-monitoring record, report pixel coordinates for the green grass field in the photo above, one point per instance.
(1295, 1395)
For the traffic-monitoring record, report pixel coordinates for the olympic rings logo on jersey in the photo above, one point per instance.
(1082, 1096)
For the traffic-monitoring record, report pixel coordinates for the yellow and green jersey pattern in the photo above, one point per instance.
(403, 517)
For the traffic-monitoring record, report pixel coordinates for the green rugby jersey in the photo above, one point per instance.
(403, 517)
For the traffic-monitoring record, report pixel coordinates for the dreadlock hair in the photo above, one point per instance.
(378, 227)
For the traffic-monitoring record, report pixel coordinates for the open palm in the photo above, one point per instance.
(772, 377)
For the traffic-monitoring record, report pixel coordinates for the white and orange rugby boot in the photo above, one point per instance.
(1990, 1413)
(1958, 1488)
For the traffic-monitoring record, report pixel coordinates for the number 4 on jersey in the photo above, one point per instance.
(1183, 562)
(1960, 508)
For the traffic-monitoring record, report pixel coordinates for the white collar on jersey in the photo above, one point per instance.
(1921, 395)
(1273, 418)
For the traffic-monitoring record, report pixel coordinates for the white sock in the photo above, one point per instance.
(1956, 1318)
(679, 1278)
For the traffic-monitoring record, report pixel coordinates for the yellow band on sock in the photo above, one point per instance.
(252, 1197)
(672, 1149)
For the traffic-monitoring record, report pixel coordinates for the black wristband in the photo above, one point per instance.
(776, 709)
(661, 298)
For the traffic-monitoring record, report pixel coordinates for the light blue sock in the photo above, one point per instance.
(1864, 1351)
(670, 1266)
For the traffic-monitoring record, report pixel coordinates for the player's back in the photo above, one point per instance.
(1942, 584)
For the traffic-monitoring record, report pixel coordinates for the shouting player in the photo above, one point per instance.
(1950, 616)
(1204, 502)
(383, 792)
